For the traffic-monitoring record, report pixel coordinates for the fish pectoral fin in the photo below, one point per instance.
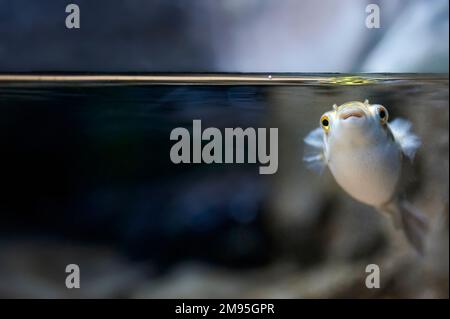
(315, 162)
(314, 156)
(403, 135)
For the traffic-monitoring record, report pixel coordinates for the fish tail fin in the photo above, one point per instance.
(415, 225)
(314, 150)
(412, 221)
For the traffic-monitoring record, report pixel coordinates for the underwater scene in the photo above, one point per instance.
(119, 176)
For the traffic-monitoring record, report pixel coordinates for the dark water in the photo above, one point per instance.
(89, 162)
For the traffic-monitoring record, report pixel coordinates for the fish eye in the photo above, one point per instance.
(325, 123)
(383, 114)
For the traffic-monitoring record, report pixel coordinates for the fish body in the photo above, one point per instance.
(365, 153)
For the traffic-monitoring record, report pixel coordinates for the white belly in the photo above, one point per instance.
(369, 174)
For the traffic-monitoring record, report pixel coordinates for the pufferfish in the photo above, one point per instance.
(365, 153)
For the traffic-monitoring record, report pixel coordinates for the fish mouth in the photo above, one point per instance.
(358, 113)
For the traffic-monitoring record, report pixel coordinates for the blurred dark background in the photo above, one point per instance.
(224, 36)
(93, 165)
(86, 178)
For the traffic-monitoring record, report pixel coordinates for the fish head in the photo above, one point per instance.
(353, 121)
